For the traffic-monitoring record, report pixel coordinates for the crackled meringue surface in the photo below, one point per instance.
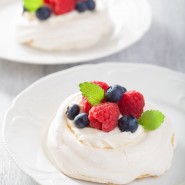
(115, 157)
(65, 32)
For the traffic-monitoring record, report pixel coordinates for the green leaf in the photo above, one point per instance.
(93, 92)
(151, 119)
(32, 5)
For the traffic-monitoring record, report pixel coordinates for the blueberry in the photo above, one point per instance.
(43, 13)
(81, 120)
(81, 6)
(91, 5)
(72, 111)
(128, 123)
(124, 89)
(114, 93)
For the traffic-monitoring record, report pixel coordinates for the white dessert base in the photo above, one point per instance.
(79, 154)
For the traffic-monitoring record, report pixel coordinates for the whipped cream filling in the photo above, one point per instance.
(114, 157)
(65, 32)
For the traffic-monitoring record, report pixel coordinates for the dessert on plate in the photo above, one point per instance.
(63, 24)
(108, 134)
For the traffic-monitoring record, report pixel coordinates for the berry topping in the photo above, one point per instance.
(91, 5)
(86, 106)
(114, 93)
(32, 5)
(43, 13)
(72, 111)
(102, 105)
(81, 121)
(131, 103)
(61, 6)
(58, 7)
(128, 124)
(104, 116)
(48, 1)
(81, 6)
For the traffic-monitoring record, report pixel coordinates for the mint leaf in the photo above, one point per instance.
(151, 119)
(93, 92)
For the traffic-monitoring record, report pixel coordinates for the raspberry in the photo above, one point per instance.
(104, 116)
(61, 6)
(132, 103)
(86, 106)
(47, 1)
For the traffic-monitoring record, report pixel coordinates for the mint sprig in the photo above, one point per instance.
(151, 119)
(93, 92)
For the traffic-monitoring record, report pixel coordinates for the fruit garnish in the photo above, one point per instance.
(104, 116)
(86, 106)
(151, 119)
(81, 120)
(91, 5)
(94, 93)
(32, 5)
(102, 105)
(61, 6)
(81, 6)
(43, 13)
(72, 111)
(44, 8)
(114, 93)
(128, 124)
(132, 103)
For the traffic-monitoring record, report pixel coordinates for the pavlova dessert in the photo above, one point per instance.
(63, 24)
(107, 134)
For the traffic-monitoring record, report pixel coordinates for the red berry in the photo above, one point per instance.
(104, 116)
(132, 103)
(86, 106)
(51, 3)
(47, 1)
(96, 124)
(61, 6)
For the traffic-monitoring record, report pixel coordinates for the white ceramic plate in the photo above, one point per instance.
(31, 112)
(132, 19)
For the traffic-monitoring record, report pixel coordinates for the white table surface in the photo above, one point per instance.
(163, 45)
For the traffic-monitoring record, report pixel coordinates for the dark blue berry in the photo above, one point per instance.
(43, 13)
(124, 89)
(72, 111)
(81, 120)
(128, 124)
(81, 6)
(91, 5)
(114, 93)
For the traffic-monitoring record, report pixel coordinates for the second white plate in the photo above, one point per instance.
(28, 118)
(132, 19)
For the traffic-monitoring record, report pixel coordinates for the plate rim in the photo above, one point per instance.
(82, 60)
(54, 75)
